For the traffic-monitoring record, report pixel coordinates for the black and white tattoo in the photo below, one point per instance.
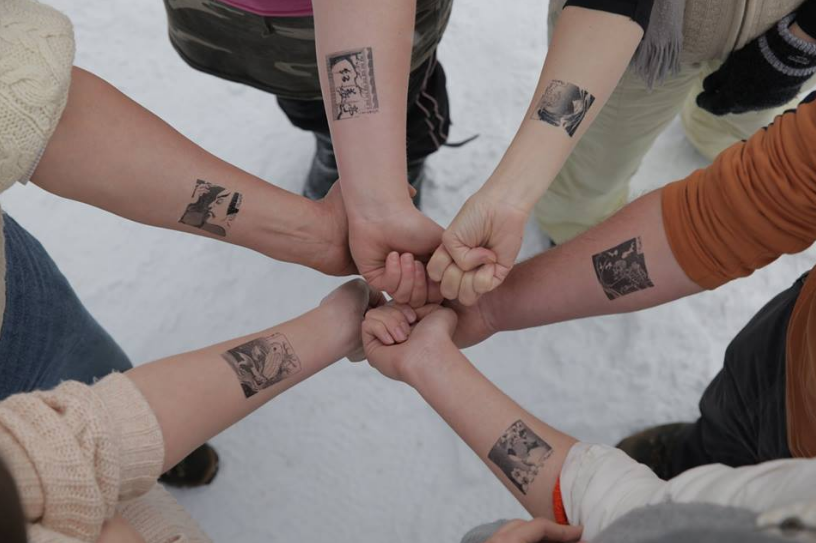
(262, 362)
(351, 83)
(520, 453)
(212, 208)
(563, 104)
(622, 270)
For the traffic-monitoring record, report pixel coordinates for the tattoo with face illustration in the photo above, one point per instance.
(520, 453)
(351, 83)
(563, 104)
(262, 362)
(622, 270)
(212, 208)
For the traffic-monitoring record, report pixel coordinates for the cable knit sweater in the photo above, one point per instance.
(36, 56)
(80, 454)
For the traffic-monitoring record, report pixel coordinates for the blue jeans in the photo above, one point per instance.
(47, 335)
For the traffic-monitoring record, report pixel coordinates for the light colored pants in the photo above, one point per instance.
(594, 182)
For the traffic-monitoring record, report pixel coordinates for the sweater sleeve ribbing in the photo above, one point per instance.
(76, 451)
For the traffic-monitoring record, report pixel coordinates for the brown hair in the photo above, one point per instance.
(12, 519)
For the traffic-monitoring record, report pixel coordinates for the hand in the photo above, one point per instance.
(376, 244)
(395, 348)
(334, 256)
(349, 303)
(538, 530)
(478, 249)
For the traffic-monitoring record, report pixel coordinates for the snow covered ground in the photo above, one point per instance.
(349, 456)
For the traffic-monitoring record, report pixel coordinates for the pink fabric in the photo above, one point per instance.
(274, 8)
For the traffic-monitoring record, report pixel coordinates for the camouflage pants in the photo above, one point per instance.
(277, 55)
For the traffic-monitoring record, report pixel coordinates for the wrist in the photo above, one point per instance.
(429, 363)
(344, 320)
(377, 207)
(799, 33)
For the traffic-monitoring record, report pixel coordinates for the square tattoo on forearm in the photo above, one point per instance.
(621, 270)
(519, 454)
(352, 87)
(563, 104)
(262, 362)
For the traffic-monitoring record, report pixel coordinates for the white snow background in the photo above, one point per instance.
(349, 456)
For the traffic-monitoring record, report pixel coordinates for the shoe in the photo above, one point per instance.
(655, 447)
(199, 468)
(323, 171)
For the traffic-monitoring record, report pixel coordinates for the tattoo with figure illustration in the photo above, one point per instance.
(351, 83)
(262, 362)
(622, 270)
(520, 453)
(563, 104)
(212, 208)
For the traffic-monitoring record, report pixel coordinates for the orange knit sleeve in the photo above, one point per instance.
(756, 202)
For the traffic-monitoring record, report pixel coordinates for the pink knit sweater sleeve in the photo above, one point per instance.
(77, 451)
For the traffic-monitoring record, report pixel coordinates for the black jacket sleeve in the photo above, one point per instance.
(637, 10)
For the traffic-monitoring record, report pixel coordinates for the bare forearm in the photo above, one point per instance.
(197, 395)
(624, 264)
(111, 153)
(524, 453)
(588, 54)
(364, 50)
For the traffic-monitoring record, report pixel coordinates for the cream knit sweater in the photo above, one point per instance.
(36, 57)
(80, 454)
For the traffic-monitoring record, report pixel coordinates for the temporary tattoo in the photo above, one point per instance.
(563, 104)
(351, 83)
(262, 362)
(211, 208)
(520, 453)
(622, 270)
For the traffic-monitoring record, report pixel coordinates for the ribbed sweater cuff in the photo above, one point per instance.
(141, 444)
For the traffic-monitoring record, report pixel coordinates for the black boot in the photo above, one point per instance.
(655, 447)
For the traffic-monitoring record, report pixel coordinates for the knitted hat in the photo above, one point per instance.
(36, 56)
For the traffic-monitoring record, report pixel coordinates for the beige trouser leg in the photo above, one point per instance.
(710, 134)
(594, 182)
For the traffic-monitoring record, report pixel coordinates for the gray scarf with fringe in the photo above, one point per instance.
(658, 55)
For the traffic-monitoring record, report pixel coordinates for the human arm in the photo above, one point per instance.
(196, 395)
(364, 49)
(524, 453)
(756, 202)
(589, 53)
(598, 484)
(114, 439)
(109, 152)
